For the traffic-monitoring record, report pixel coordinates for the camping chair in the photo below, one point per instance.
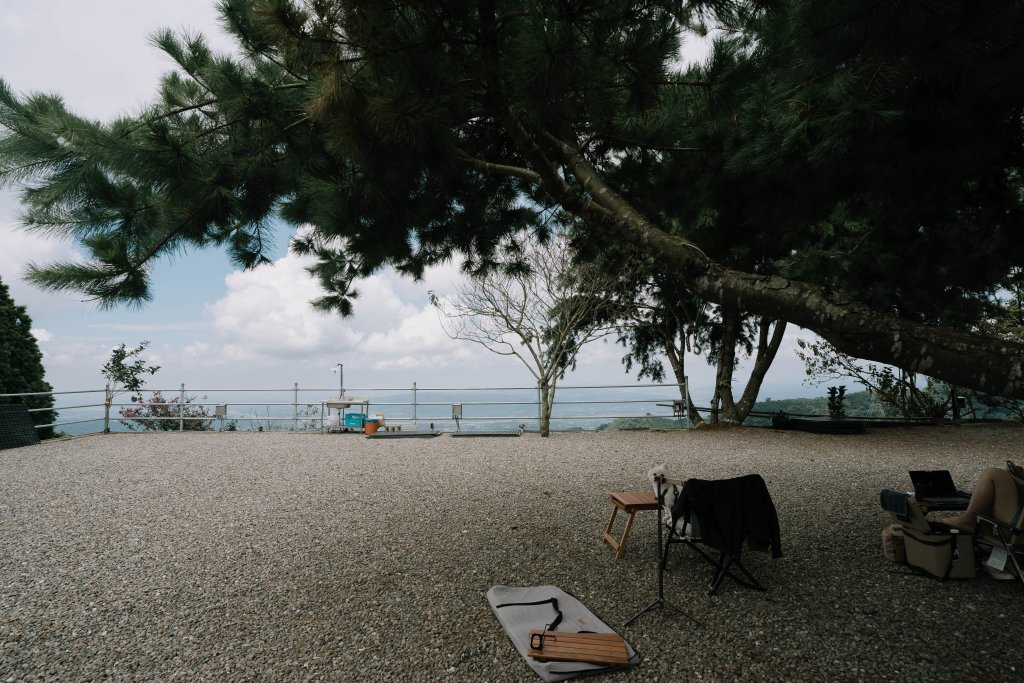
(722, 515)
(932, 547)
(996, 537)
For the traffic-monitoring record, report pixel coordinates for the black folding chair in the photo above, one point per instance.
(723, 515)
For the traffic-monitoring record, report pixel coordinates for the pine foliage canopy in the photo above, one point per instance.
(853, 168)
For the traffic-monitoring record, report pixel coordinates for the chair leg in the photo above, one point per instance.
(721, 569)
(618, 544)
(724, 564)
(625, 535)
(754, 583)
(1011, 551)
(611, 522)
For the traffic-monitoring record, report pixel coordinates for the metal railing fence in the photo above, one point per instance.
(509, 406)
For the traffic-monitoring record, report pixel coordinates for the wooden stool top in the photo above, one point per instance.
(593, 648)
(631, 501)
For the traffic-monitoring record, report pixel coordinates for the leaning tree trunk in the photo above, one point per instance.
(970, 360)
(982, 363)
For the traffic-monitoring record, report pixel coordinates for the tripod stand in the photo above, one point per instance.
(660, 601)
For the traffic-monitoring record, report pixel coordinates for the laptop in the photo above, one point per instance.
(936, 487)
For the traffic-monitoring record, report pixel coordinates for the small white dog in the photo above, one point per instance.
(672, 487)
(670, 490)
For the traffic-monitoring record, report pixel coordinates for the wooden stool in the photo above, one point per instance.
(630, 502)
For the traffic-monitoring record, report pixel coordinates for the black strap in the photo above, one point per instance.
(537, 640)
(954, 554)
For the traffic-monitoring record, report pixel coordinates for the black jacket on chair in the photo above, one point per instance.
(729, 511)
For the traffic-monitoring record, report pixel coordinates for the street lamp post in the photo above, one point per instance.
(340, 369)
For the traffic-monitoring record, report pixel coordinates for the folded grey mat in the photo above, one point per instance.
(496, 432)
(403, 435)
(519, 619)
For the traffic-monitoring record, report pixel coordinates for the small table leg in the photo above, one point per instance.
(625, 535)
(607, 536)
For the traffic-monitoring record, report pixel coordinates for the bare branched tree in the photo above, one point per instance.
(542, 314)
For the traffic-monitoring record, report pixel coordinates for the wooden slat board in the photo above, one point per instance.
(594, 648)
(633, 501)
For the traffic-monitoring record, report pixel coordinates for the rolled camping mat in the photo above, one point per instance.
(519, 619)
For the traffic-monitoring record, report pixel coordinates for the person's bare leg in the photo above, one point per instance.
(995, 495)
(1006, 504)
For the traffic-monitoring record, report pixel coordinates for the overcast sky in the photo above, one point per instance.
(214, 327)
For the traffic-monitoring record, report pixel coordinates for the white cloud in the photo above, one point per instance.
(150, 327)
(97, 55)
(196, 350)
(601, 352)
(41, 335)
(420, 332)
(266, 315)
(21, 248)
(63, 359)
(457, 358)
(443, 279)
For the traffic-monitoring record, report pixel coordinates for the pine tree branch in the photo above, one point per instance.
(596, 186)
(18, 169)
(500, 169)
(156, 249)
(644, 145)
(284, 67)
(182, 110)
(192, 107)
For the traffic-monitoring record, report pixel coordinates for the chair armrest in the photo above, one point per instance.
(988, 520)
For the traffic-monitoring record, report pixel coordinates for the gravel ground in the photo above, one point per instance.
(281, 557)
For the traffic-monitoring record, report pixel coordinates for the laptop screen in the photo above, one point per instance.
(933, 484)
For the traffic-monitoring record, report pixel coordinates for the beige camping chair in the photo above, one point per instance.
(932, 547)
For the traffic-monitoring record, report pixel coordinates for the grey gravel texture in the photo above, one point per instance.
(302, 557)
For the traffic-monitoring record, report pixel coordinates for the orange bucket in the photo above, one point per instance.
(371, 427)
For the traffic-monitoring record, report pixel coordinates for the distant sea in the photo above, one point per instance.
(490, 409)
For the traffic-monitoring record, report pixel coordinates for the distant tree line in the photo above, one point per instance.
(21, 364)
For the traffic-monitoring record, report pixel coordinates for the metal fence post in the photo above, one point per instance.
(181, 409)
(295, 409)
(686, 400)
(414, 405)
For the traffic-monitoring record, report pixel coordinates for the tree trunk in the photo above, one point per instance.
(547, 401)
(108, 400)
(968, 360)
(727, 364)
(766, 352)
(677, 360)
(982, 363)
(716, 399)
